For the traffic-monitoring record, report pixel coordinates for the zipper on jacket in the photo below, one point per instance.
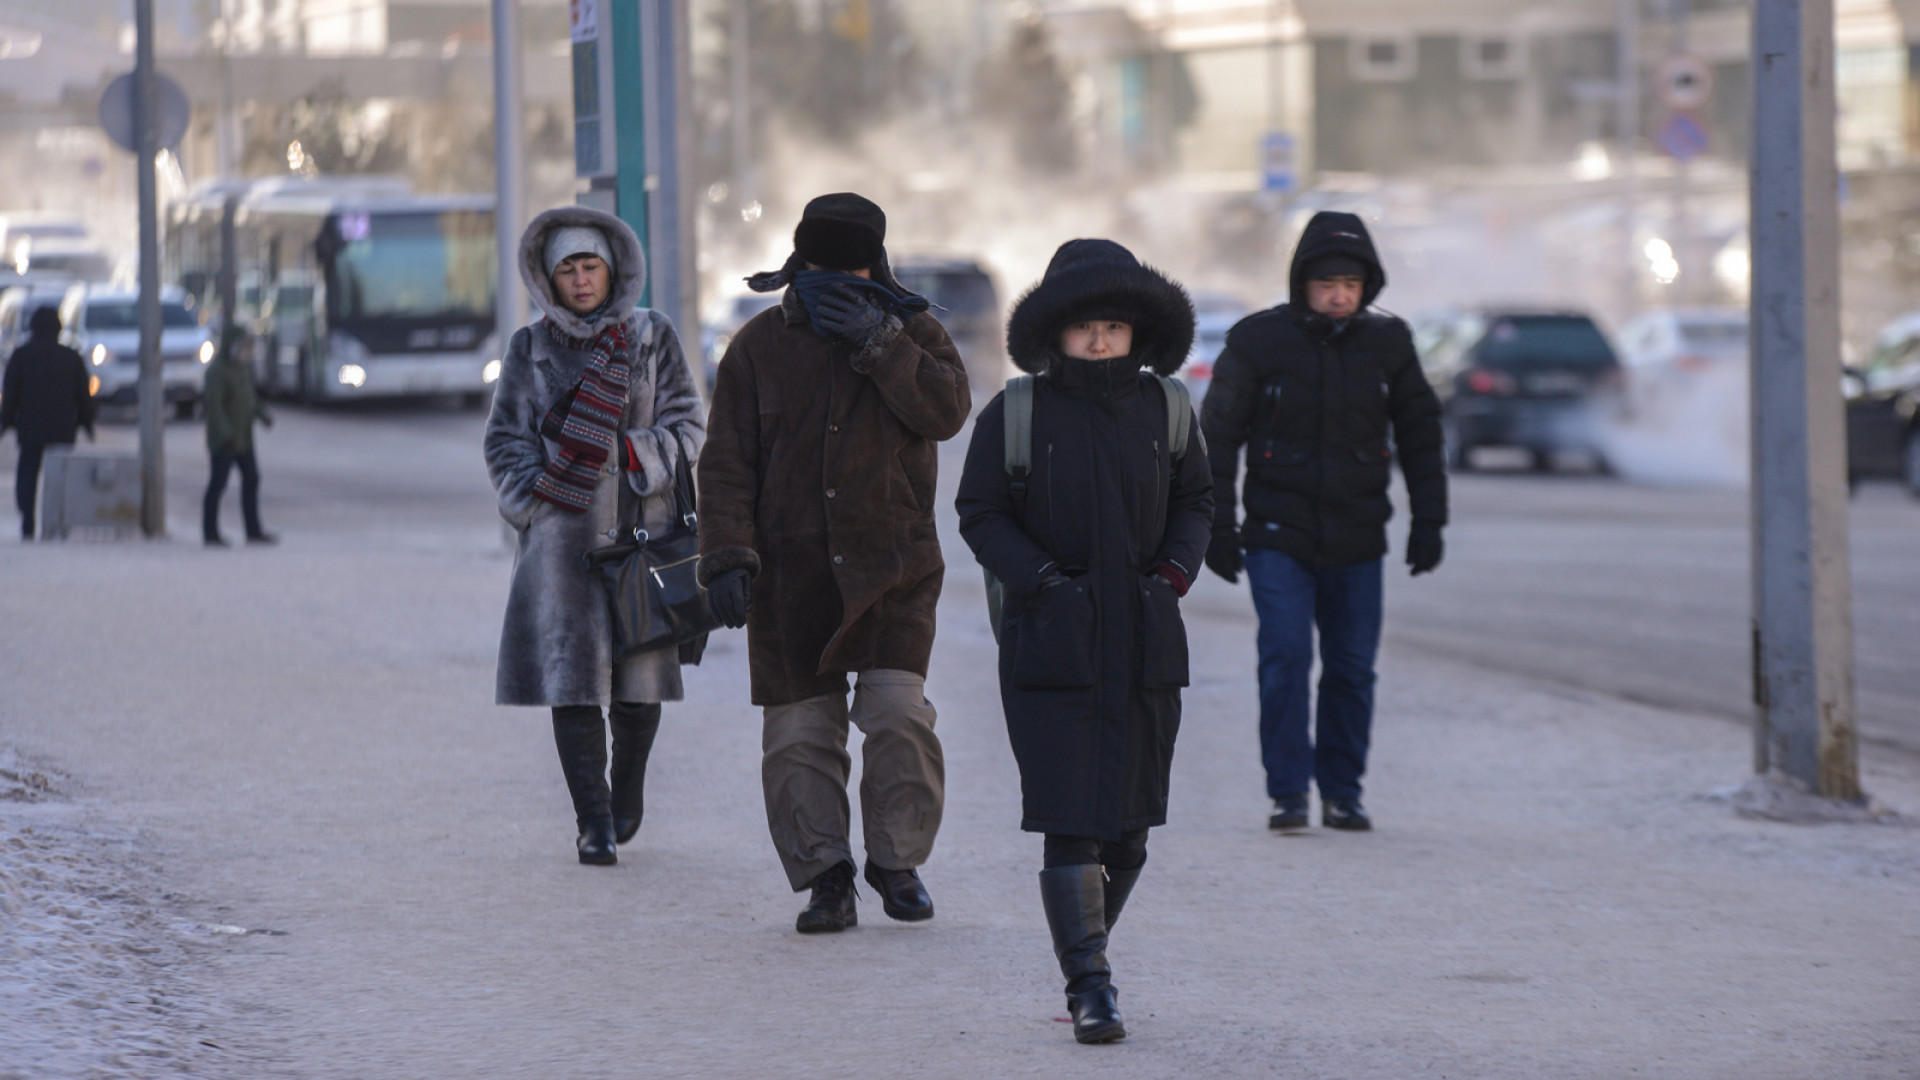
(1050, 517)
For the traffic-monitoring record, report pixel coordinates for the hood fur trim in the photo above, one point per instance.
(1158, 308)
(629, 269)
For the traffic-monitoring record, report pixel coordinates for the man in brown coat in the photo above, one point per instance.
(816, 523)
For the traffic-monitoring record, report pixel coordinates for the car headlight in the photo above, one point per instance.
(93, 386)
(206, 352)
(352, 375)
(490, 373)
(100, 355)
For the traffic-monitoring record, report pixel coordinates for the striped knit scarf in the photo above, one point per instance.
(586, 422)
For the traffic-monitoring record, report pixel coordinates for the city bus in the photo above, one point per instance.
(351, 288)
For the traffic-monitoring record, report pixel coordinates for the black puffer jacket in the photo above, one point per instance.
(45, 395)
(1316, 405)
(1091, 670)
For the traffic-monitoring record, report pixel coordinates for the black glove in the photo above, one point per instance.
(1424, 547)
(849, 315)
(731, 596)
(1223, 554)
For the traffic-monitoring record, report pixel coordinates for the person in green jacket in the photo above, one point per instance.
(232, 407)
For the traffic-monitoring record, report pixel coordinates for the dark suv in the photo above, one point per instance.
(1537, 380)
(968, 305)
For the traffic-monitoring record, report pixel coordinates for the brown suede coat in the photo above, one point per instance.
(818, 477)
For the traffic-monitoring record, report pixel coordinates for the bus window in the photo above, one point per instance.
(411, 265)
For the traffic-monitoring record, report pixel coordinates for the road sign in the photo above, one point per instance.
(170, 113)
(1683, 136)
(1684, 81)
(1278, 171)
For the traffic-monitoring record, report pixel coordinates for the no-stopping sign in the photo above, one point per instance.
(1684, 81)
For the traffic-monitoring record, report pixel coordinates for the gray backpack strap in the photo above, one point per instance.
(1179, 415)
(1019, 436)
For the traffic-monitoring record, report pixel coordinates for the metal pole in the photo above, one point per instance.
(1627, 120)
(509, 206)
(664, 42)
(741, 115)
(630, 182)
(146, 132)
(1802, 609)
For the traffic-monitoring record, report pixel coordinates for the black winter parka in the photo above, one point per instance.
(1320, 410)
(1090, 670)
(44, 396)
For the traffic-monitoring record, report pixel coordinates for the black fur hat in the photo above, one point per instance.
(1099, 279)
(842, 231)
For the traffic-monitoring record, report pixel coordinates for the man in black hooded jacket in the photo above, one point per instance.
(1321, 391)
(46, 399)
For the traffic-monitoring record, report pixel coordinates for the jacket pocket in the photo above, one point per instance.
(1268, 452)
(1163, 636)
(1054, 640)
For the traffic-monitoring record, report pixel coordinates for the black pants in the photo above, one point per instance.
(223, 463)
(26, 483)
(1127, 853)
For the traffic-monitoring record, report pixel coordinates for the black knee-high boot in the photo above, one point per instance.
(581, 737)
(1119, 886)
(1075, 901)
(634, 727)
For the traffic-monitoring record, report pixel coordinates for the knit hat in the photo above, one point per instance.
(842, 231)
(570, 240)
(1326, 267)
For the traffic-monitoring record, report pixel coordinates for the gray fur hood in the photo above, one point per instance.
(629, 271)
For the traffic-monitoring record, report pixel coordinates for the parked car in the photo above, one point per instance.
(17, 305)
(102, 322)
(1883, 407)
(1214, 313)
(1533, 379)
(968, 305)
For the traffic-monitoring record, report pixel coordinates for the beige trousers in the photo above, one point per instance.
(804, 767)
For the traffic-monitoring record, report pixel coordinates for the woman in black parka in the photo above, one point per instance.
(1095, 554)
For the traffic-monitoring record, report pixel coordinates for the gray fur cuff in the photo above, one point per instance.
(715, 563)
(876, 345)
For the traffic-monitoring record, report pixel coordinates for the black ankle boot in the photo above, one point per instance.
(1075, 901)
(581, 737)
(1119, 886)
(831, 907)
(634, 727)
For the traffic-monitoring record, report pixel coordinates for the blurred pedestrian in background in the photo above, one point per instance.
(1321, 391)
(46, 400)
(817, 533)
(232, 406)
(1095, 545)
(594, 410)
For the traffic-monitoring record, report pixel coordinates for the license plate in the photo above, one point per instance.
(1557, 382)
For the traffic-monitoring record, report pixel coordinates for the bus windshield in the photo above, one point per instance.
(412, 265)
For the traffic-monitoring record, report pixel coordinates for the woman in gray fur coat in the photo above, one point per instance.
(594, 409)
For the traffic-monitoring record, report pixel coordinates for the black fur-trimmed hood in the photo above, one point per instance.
(1099, 278)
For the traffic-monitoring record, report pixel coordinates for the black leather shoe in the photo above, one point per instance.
(215, 542)
(596, 843)
(1289, 814)
(1344, 814)
(263, 538)
(902, 895)
(830, 909)
(1096, 1015)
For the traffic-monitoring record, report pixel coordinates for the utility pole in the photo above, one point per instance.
(1627, 121)
(509, 202)
(1802, 607)
(664, 46)
(740, 118)
(146, 131)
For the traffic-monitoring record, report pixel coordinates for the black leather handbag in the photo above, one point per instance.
(653, 596)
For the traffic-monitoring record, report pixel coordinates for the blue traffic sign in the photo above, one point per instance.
(1277, 170)
(1683, 136)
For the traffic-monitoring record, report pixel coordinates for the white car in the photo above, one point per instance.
(102, 323)
(1214, 314)
(1673, 356)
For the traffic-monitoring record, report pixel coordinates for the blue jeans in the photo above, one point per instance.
(1291, 599)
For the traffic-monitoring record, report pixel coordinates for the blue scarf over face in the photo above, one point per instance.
(811, 285)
